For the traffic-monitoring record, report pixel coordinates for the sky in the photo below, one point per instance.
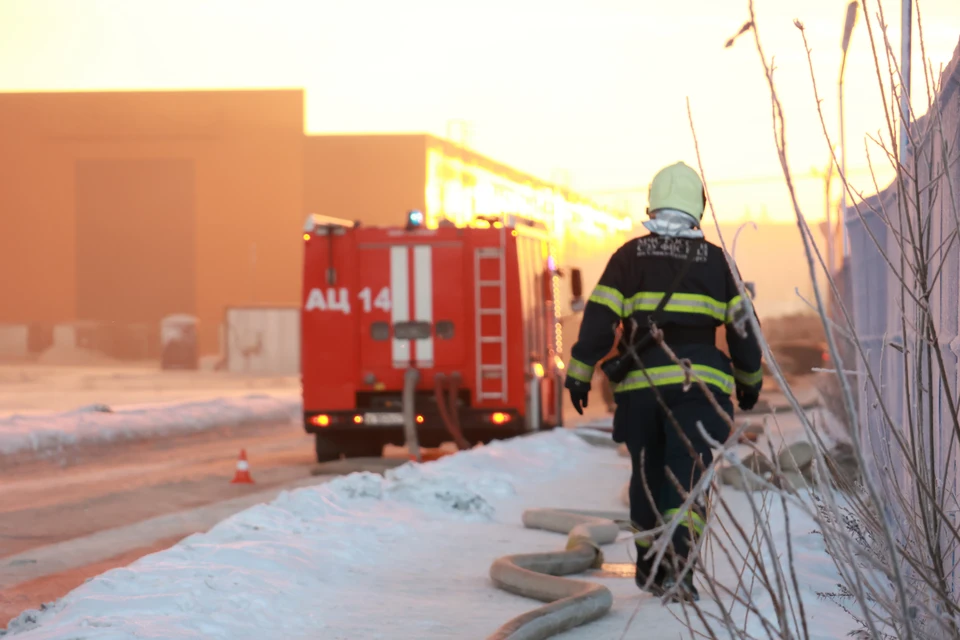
(590, 93)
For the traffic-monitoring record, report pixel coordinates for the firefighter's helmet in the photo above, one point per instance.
(678, 187)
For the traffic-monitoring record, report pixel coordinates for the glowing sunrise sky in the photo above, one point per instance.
(592, 88)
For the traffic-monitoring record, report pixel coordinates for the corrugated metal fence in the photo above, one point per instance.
(885, 312)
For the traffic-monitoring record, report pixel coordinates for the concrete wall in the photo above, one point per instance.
(127, 206)
(374, 179)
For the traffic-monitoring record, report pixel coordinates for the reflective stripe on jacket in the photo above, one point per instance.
(633, 284)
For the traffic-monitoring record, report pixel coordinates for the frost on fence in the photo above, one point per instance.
(905, 277)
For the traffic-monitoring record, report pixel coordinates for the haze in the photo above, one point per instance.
(587, 92)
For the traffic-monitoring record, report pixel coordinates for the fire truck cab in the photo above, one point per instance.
(474, 311)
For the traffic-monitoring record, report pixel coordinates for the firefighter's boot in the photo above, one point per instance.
(644, 569)
(685, 592)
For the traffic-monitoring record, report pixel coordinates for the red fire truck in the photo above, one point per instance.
(473, 312)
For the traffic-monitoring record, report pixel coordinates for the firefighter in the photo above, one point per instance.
(705, 296)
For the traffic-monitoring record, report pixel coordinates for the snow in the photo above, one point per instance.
(100, 425)
(402, 556)
(31, 388)
(46, 410)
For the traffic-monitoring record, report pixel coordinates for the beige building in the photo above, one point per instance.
(120, 208)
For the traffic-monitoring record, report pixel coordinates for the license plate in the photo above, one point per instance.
(381, 419)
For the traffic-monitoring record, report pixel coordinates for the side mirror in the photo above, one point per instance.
(751, 287)
(576, 283)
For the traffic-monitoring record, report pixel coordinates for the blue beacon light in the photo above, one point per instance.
(414, 219)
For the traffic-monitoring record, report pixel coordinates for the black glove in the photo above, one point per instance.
(578, 392)
(747, 397)
(579, 399)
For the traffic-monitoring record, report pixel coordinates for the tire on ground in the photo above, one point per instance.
(327, 449)
(360, 445)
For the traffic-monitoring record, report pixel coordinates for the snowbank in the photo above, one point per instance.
(98, 425)
(401, 556)
(32, 388)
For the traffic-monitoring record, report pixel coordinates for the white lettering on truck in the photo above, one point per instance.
(339, 300)
(331, 300)
(382, 301)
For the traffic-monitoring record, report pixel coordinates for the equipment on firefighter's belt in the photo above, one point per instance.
(617, 368)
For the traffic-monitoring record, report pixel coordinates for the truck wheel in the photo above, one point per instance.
(327, 449)
(363, 446)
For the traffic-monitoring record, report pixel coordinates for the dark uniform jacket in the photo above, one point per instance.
(636, 278)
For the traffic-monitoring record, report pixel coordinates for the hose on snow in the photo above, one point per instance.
(410, 379)
(448, 409)
(571, 603)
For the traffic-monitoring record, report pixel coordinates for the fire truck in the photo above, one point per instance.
(454, 328)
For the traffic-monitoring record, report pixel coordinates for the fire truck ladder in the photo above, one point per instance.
(487, 370)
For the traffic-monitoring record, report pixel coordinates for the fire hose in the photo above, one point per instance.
(449, 411)
(570, 603)
(410, 379)
(447, 407)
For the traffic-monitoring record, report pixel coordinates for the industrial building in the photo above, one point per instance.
(121, 208)
(118, 209)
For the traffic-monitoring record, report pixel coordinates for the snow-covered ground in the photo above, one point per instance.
(48, 409)
(31, 388)
(405, 556)
(47, 434)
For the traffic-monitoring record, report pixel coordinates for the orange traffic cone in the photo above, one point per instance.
(242, 476)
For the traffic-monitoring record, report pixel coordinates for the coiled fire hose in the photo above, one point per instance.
(571, 603)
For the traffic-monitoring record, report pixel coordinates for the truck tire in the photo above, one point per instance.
(327, 448)
(354, 446)
(363, 445)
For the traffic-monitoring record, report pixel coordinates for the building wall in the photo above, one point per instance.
(463, 185)
(159, 269)
(121, 207)
(374, 179)
(128, 206)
